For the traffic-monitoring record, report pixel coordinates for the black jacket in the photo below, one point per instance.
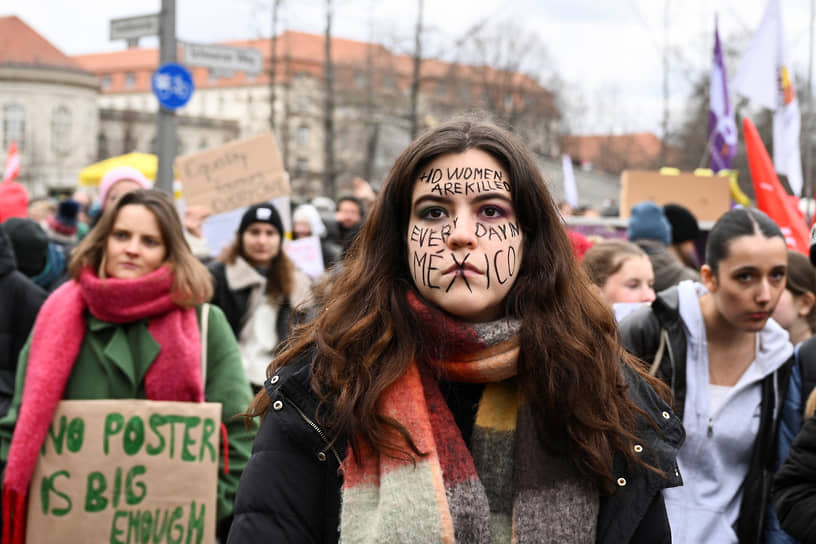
(641, 332)
(794, 487)
(20, 300)
(234, 302)
(290, 490)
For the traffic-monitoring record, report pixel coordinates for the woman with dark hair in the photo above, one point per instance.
(729, 366)
(258, 286)
(126, 326)
(463, 381)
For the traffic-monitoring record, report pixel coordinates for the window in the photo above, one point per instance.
(102, 147)
(105, 82)
(13, 125)
(389, 83)
(441, 89)
(61, 130)
(130, 80)
(359, 79)
(302, 135)
(301, 167)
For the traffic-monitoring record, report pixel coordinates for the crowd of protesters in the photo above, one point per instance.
(467, 368)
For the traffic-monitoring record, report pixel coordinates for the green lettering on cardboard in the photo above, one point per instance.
(113, 424)
(46, 487)
(195, 523)
(207, 432)
(76, 434)
(190, 422)
(115, 531)
(160, 531)
(176, 528)
(156, 421)
(117, 487)
(173, 420)
(133, 526)
(130, 496)
(57, 440)
(94, 500)
(134, 435)
(145, 527)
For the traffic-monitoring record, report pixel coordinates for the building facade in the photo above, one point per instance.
(48, 105)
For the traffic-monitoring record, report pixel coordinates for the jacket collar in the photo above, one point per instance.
(241, 275)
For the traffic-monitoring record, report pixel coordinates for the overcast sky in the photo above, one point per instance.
(608, 53)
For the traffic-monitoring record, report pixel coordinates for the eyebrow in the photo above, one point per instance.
(478, 198)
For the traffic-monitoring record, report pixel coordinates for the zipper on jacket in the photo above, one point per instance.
(313, 425)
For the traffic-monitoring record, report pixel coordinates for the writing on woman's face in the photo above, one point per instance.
(464, 241)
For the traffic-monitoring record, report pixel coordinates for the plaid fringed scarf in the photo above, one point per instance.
(504, 488)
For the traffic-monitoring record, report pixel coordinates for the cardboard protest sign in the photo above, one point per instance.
(236, 174)
(707, 197)
(127, 471)
(307, 255)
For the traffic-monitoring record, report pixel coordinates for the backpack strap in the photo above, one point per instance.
(664, 340)
(205, 318)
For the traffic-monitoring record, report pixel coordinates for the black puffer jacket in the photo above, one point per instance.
(234, 303)
(640, 335)
(794, 489)
(20, 300)
(290, 490)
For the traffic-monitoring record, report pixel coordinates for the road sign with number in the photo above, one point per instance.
(173, 85)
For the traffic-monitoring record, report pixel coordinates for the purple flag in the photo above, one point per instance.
(722, 130)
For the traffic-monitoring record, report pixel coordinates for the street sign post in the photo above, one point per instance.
(173, 85)
(223, 58)
(129, 28)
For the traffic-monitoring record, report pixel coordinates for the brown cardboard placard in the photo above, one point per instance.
(707, 197)
(127, 471)
(234, 175)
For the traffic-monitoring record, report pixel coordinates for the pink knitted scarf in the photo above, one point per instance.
(57, 336)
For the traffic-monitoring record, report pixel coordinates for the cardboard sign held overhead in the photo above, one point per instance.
(127, 471)
(234, 175)
(707, 197)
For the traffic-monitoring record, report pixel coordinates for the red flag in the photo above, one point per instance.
(770, 196)
(12, 163)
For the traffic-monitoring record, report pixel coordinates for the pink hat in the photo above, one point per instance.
(13, 200)
(121, 173)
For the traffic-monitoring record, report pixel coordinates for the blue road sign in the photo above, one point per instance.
(173, 85)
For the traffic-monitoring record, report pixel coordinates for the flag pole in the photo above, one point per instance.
(809, 183)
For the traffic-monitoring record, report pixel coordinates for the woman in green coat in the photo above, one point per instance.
(127, 326)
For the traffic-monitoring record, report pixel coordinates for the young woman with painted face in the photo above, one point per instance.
(463, 381)
(728, 365)
(126, 326)
(258, 286)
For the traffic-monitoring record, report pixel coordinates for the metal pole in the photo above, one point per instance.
(166, 124)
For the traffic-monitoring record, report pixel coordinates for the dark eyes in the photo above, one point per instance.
(492, 211)
(433, 212)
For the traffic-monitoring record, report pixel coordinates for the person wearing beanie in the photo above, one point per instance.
(119, 181)
(685, 232)
(13, 200)
(258, 286)
(38, 258)
(21, 302)
(651, 231)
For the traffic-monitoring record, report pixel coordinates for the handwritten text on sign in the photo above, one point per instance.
(236, 174)
(127, 471)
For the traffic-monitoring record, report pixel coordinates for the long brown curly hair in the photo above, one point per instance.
(570, 358)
